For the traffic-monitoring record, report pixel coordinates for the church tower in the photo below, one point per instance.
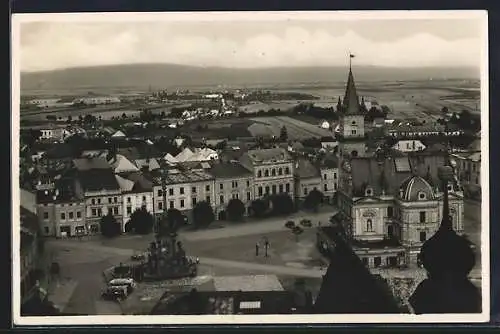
(351, 135)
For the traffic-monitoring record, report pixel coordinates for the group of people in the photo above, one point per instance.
(266, 245)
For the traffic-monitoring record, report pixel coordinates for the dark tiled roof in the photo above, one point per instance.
(221, 170)
(384, 174)
(304, 169)
(268, 154)
(331, 161)
(141, 183)
(98, 179)
(86, 164)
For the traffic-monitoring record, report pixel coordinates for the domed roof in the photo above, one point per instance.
(416, 188)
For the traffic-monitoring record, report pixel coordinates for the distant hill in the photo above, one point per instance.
(142, 76)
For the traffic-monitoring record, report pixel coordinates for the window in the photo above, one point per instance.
(389, 211)
(208, 199)
(423, 236)
(377, 261)
(287, 187)
(63, 216)
(369, 225)
(110, 200)
(115, 199)
(280, 171)
(46, 230)
(171, 204)
(193, 201)
(160, 192)
(335, 176)
(110, 211)
(422, 216)
(181, 190)
(98, 201)
(273, 172)
(78, 214)
(249, 196)
(267, 189)
(421, 195)
(325, 188)
(368, 191)
(94, 212)
(160, 205)
(207, 187)
(235, 185)
(129, 210)
(182, 203)
(92, 201)
(334, 186)
(128, 199)
(193, 190)
(287, 170)
(353, 123)
(171, 192)
(259, 173)
(71, 215)
(305, 191)
(266, 172)
(260, 191)
(144, 198)
(353, 132)
(115, 210)
(99, 212)
(45, 215)
(274, 189)
(280, 188)
(248, 183)
(324, 176)
(221, 186)
(235, 196)
(221, 198)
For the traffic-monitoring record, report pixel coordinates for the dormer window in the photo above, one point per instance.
(422, 196)
(368, 192)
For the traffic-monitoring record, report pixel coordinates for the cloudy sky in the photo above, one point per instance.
(46, 45)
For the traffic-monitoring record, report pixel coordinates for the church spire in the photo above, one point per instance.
(351, 99)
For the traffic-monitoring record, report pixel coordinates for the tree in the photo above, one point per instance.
(282, 204)
(313, 200)
(203, 214)
(109, 226)
(259, 207)
(283, 133)
(235, 209)
(141, 222)
(171, 222)
(124, 115)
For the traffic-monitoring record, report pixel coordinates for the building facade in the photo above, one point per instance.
(232, 181)
(307, 178)
(272, 171)
(137, 193)
(329, 172)
(409, 145)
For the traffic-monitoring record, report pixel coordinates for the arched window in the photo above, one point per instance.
(369, 225)
(259, 173)
(273, 172)
(266, 172)
(287, 170)
(368, 192)
(353, 123)
(280, 171)
(422, 196)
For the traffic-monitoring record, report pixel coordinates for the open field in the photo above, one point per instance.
(297, 129)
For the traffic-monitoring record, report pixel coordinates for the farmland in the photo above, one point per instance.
(296, 129)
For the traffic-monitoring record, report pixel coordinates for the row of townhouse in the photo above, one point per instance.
(98, 188)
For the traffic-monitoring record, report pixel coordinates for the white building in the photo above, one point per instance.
(409, 145)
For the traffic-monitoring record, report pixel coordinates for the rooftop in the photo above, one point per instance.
(175, 176)
(98, 179)
(221, 170)
(268, 155)
(304, 169)
(86, 164)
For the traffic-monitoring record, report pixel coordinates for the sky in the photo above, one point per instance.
(48, 45)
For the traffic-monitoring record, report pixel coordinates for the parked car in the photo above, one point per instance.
(115, 292)
(129, 283)
(306, 222)
(139, 256)
(290, 224)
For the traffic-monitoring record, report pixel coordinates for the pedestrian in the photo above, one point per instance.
(266, 247)
(257, 249)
